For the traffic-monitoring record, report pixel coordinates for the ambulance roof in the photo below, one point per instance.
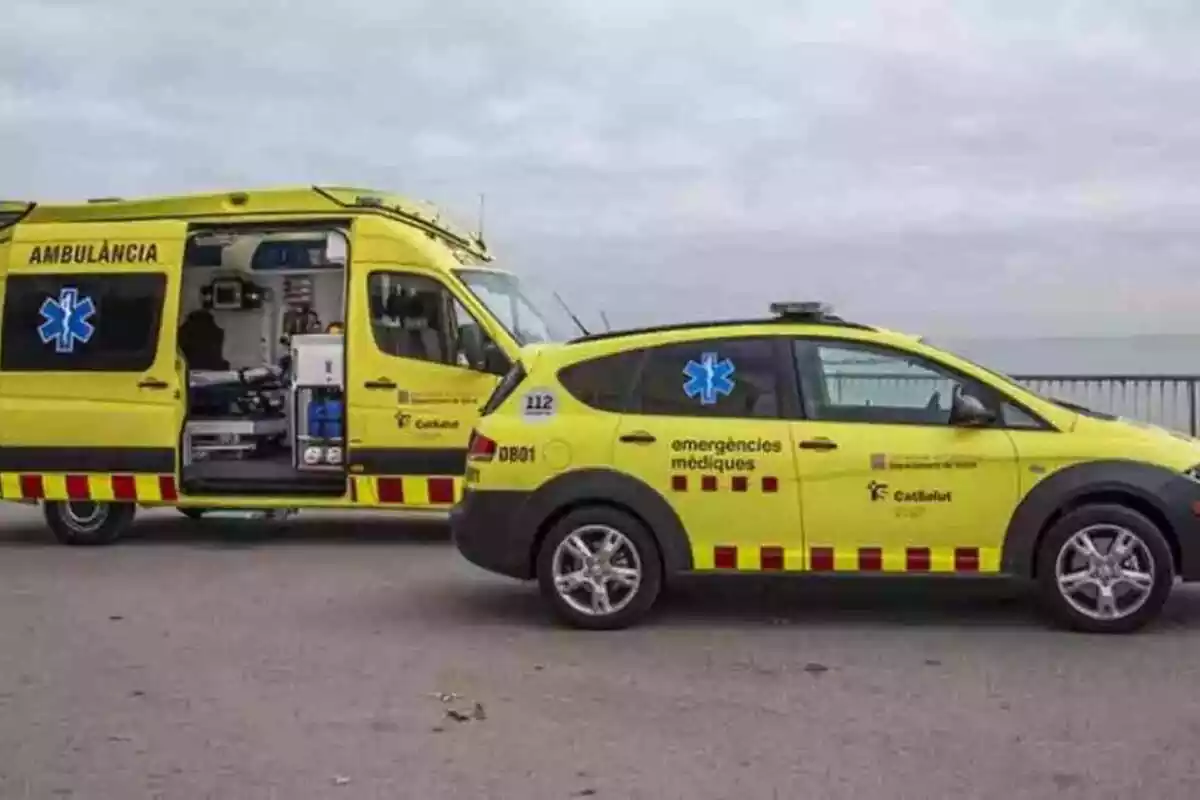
(298, 200)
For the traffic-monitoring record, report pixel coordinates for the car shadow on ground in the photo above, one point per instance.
(737, 601)
(718, 600)
(223, 533)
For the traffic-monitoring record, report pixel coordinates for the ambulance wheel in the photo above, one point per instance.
(87, 522)
(1104, 569)
(599, 568)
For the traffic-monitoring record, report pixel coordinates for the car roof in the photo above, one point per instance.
(611, 342)
(719, 324)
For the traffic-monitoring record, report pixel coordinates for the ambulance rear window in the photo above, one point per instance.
(81, 322)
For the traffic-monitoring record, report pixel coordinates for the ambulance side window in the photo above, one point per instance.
(81, 322)
(471, 342)
(411, 317)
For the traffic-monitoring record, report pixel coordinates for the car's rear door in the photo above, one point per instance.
(90, 385)
(706, 429)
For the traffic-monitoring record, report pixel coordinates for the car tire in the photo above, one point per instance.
(634, 551)
(1096, 594)
(87, 523)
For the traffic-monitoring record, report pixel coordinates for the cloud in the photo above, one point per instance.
(958, 164)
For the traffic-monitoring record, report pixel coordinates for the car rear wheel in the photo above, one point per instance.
(599, 568)
(87, 522)
(1104, 569)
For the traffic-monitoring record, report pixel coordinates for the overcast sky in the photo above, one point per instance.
(949, 166)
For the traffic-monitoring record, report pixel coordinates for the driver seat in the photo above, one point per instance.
(422, 326)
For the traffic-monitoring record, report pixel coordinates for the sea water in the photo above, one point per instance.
(1168, 354)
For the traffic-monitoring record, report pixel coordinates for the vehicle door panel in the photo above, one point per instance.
(412, 401)
(722, 458)
(881, 489)
(90, 372)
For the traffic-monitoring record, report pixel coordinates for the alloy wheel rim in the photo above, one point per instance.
(1105, 572)
(597, 570)
(84, 516)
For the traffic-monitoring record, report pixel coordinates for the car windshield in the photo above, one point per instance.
(531, 315)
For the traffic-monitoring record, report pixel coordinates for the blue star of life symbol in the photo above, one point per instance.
(66, 320)
(708, 378)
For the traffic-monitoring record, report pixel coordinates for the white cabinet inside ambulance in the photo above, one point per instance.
(249, 353)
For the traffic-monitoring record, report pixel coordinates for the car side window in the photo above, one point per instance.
(853, 382)
(711, 378)
(81, 322)
(603, 383)
(416, 317)
(1013, 417)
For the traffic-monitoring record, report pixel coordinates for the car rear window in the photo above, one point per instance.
(603, 383)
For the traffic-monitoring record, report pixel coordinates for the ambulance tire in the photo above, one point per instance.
(637, 550)
(87, 524)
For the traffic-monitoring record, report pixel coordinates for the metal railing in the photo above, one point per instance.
(1167, 400)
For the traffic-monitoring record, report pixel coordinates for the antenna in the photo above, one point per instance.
(604, 318)
(571, 314)
(482, 201)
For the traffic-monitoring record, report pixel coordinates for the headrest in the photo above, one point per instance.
(414, 306)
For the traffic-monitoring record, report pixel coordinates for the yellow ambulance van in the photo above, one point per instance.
(249, 351)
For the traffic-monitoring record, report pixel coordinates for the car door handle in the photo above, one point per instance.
(153, 383)
(641, 437)
(818, 444)
(382, 383)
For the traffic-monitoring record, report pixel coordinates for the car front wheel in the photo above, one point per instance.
(1104, 569)
(599, 568)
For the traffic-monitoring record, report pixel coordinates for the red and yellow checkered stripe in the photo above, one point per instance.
(384, 491)
(767, 484)
(919, 560)
(144, 489)
(421, 491)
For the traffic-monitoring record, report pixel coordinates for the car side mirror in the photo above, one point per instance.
(968, 411)
(471, 340)
(494, 360)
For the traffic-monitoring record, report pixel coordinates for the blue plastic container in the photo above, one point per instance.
(325, 419)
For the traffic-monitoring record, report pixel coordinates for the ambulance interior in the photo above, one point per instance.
(260, 335)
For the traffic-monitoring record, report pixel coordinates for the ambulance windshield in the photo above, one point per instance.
(530, 315)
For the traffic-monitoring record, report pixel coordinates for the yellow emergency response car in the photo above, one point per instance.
(278, 350)
(805, 444)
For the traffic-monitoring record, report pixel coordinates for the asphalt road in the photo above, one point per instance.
(216, 661)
